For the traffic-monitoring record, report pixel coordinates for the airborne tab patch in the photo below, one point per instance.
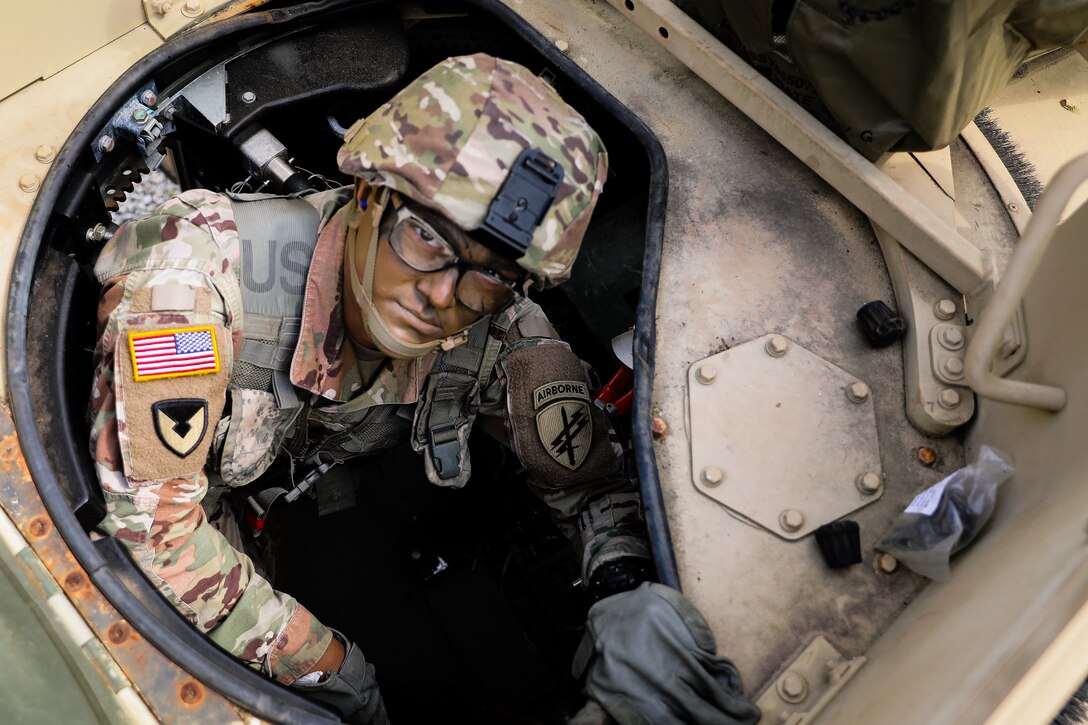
(173, 353)
(565, 425)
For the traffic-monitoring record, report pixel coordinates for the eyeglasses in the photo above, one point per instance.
(418, 245)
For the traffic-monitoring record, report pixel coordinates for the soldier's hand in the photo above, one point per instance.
(349, 687)
(650, 656)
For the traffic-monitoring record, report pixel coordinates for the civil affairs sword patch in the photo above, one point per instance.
(181, 424)
(565, 421)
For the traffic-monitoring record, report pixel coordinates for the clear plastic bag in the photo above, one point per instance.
(947, 516)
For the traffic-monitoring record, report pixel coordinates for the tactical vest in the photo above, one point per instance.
(268, 415)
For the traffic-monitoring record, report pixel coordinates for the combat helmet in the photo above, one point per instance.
(494, 149)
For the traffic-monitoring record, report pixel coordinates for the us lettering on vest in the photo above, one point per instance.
(260, 271)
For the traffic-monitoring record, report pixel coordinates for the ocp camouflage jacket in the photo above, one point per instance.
(167, 414)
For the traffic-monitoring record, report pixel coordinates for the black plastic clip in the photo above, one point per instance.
(445, 450)
(523, 200)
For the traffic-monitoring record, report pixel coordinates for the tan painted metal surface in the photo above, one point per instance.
(911, 222)
(781, 437)
(755, 242)
(107, 640)
(1045, 113)
(43, 114)
(40, 38)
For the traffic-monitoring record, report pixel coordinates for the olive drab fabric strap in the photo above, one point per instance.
(449, 402)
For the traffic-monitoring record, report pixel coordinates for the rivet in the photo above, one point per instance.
(777, 346)
(857, 392)
(953, 367)
(192, 8)
(106, 143)
(887, 563)
(38, 527)
(29, 183)
(563, 46)
(191, 692)
(945, 309)
(659, 427)
(868, 483)
(706, 373)
(45, 153)
(249, 97)
(118, 632)
(927, 456)
(1013, 206)
(74, 581)
(948, 398)
(792, 687)
(791, 520)
(951, 337)
(712, 476)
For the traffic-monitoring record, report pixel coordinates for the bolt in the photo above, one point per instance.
(106, 143)
(792, 687)
(712, 476)
(868, 483)
(791, 520)
(659, 427)
(148, 98)
(249, 97)
(192, 8)
(118, 632)
(706, 373)
(887, 563)
(951, 337)
(953, 367)
(948, 398)
(29, 183)
(927, 456)
(777, 346)
(857, 392)
(945, 309)
(139, 115)
(45, 154)
(564, 46)
(97, 233)
(74, 581)
(191, 692)
(162, 7)
(38, 527)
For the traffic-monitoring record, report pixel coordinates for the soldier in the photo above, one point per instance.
(395, 310)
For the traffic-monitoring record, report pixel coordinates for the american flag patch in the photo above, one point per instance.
(173, 353)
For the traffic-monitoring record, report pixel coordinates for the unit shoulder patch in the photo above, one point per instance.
(566, 429)
(180, 424)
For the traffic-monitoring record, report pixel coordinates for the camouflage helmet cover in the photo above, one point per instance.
(449, 138)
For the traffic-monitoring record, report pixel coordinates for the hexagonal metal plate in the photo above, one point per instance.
(783, 434)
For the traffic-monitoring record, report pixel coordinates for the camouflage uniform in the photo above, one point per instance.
(177, 273)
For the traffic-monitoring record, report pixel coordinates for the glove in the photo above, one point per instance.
(651, 660)
(353, 691)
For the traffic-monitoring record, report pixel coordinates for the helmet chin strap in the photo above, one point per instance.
(367, 226)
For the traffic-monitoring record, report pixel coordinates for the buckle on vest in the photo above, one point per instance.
(445, 450)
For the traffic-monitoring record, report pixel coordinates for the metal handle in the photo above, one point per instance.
(1010, 291)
